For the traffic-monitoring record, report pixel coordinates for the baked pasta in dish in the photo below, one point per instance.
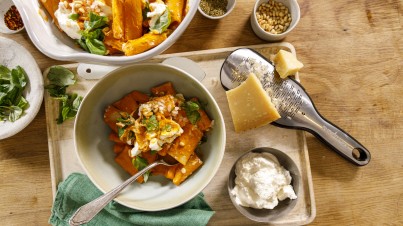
(113, 27)
(163, 125)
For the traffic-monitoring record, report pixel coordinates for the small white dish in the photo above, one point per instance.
(12, 55)
(5, 5)
(294, 10)
(230, 7)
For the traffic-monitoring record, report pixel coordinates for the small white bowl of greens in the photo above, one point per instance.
(21, 88)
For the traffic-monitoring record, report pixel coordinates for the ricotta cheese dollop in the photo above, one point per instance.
(261, 181)
(69, 26)
(157, 9)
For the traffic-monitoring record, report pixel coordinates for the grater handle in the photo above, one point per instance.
(340, 141)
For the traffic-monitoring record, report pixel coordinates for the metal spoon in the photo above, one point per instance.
(85, 213)
(292, 102)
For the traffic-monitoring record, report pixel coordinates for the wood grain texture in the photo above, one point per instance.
(353, 56)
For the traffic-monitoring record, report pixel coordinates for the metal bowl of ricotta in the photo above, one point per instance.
(263, 184)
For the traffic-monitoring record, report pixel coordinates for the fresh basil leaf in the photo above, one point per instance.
(12, 93)
(55, 90)
(74, 16)
(146, 176)
(12, 85)
(69, 107)
(140, 163)
(59, 79)
(95, 46)
(61, 76)
(92, 37)
(4, 72)
(23, 103)
(10, 113)
(162, 23)
(15, 113)
(192, 106)
(95, 21)
(20, 74)
(191, 110)
(151, 123)
(194, 117)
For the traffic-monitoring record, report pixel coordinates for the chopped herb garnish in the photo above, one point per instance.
(151, 123)
(140, 163)
(126, 120)
(59, 79)
(192, 113)
(121, 131)
(74, 16)
(12, 85)
(168, 127)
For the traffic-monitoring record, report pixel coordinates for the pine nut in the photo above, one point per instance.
(273, 17)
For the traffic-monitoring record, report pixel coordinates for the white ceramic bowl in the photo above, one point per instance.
(230, 7)
(95, 151)
(4, 7)
(285, 206)
(294, 10)
(13, 54)
(57, 45)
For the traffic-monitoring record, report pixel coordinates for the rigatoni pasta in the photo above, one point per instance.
(164, 125)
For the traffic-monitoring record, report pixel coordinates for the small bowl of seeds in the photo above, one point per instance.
(216, 9)
(10, 19)
(272, 20)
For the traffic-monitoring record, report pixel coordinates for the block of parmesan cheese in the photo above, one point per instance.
(250, 105)
(286, 63)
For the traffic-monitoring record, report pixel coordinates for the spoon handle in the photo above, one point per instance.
(85, 213)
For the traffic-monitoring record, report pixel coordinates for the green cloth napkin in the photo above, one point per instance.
(78, 190)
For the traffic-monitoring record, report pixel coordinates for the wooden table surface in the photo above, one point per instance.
(352, 51)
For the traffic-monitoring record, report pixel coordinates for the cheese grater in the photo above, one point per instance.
(292, 102)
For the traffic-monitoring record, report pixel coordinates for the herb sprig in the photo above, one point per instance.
(59, 79)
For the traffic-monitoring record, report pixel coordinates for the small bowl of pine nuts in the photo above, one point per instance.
(272, 20)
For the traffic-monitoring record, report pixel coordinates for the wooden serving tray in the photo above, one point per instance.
(63, 159)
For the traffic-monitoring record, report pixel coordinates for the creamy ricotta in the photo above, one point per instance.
(69, 26)
(261, 182)
(157, 9)
(101, 8)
